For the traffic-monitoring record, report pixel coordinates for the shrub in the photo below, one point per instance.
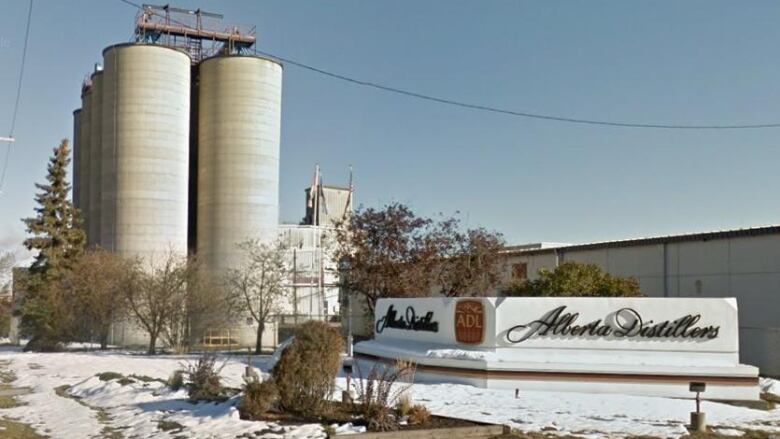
(380, 418)
(306, 371)
(259, 397)
(204, 381)
(378, 393)
(329, 430)
(176, 380)
(576, 279)
(403, 405)
(418, 415)
(44, 344)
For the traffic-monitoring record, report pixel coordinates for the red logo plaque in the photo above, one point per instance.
(469, 321)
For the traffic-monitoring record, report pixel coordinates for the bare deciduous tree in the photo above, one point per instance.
(200, 305)
(257, 286)
(96, 283)
(154, 293)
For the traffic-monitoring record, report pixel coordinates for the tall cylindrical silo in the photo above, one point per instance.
(95, 145)
(239, 119)
(76, 149)
(85, 144)
(145, 133)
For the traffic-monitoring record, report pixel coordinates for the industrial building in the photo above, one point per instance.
(176, 144)
(176, 151)
(741, 263)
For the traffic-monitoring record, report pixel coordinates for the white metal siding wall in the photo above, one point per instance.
(747, 268)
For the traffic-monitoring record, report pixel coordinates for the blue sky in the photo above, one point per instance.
(695, 62)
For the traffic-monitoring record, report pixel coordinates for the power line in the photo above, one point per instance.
(18, 95)
(513, 112)
(516, 113)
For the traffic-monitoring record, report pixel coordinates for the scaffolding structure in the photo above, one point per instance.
(196, 32)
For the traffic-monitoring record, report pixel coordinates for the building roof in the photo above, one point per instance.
(701, 236)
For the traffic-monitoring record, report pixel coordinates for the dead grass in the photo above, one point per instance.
(11, 429)
(171, 426)
(7, 402)
(108, 376)
(6, 376)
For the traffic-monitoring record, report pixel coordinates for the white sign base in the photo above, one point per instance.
(636, 346)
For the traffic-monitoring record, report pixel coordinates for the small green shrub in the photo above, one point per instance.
(108, 376)
(204, 381)
(419, 415)
(258, 398)
(306, 371)
(176, 380)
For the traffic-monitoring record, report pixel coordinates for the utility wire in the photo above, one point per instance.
(513, 112)
(18, 95)
(505, 111)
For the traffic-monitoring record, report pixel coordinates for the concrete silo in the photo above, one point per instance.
(76, 175)
(84, 145)
(145, 134)
(95, 146)
(239, 117)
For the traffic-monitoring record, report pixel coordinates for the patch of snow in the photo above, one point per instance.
(137, 407)
(461, 354)
(348, 428)
(601, 415)
(770, 385)
(277, 355)
(729, 431)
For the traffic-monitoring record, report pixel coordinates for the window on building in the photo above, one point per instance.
(520, 271)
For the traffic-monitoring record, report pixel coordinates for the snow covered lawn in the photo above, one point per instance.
(95, 408)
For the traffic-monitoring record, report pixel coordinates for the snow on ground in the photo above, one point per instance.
(135, 409)
(585, 414)
(770, 386)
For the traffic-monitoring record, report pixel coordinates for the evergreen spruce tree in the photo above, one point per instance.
(59, 241)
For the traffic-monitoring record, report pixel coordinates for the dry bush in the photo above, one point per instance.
(380, 390)
(403, 405)
(176, 380)
(419, 415)
(204, 381)
(258, 398)
(306, 371)
(381, 418)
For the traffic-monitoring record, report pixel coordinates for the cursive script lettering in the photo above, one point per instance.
(627, 323)
(408, 321)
